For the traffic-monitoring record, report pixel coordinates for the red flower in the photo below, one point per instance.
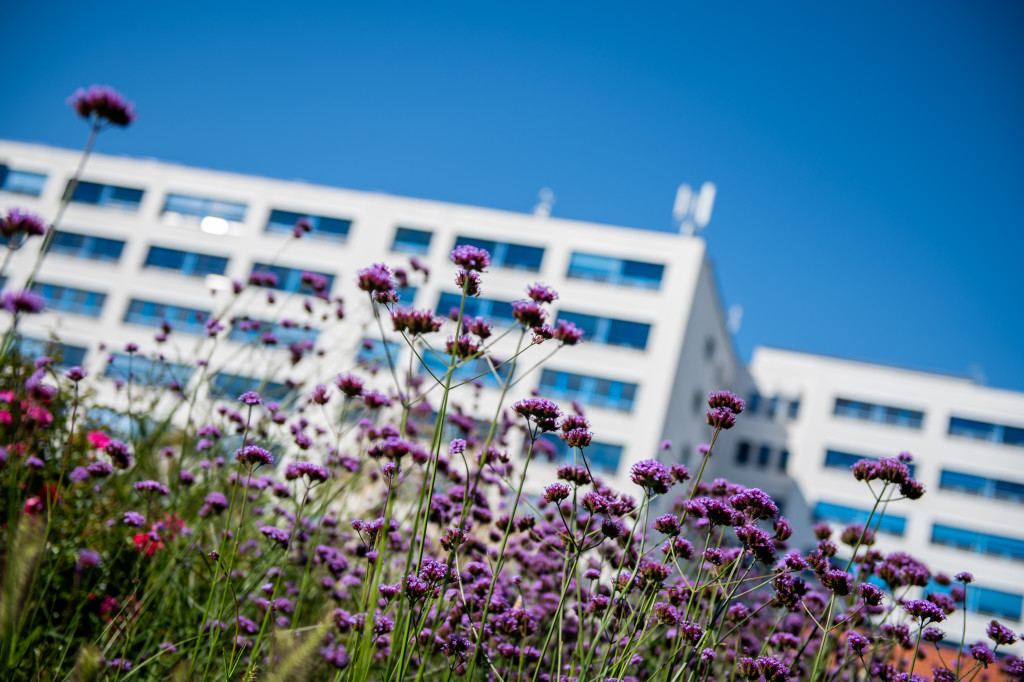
(98, 439)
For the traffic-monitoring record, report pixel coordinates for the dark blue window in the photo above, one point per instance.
(86, 246)
(71, 300)
(609, 331)
(986, 601)
(110, 196)
(837, 513)
(600, 456)
(153, 314)
(507, 255)
(497, 312)
(978, 430)
(983, 487)
(845, 460)
(743, 453)
(230, 386)
(783, 460)
(21, 182)
(290, 279)
(754, 402)
(147, 371)
(333, 229)
(596, 391)
(476, 369)
(881, 414)
(285, 332)
(764, 456)
(186, 262)
(793, 411)
(202, 207)
(373, 353)
(981, 543)
(408, 240)
(66, 355)
(595, 268)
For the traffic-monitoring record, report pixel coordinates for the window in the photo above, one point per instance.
(764, 456)
(602, 457)
(783, 459)
(993, 433)
(230, 386)
(629, 273)
(837, 513)
(197, 208)
(86, 246)
(498, 312)
(983, 487)
(793, 410)
(507, 255)
(21, 182)
(743, 453)
(283, 333)
(845, 460)
(186, 262)
(153, 314)
(65, 354)
(70, 300)
(406, 295)
(773, 407)
(110, 196)
(473, 370)
(596, 391)
(608, 330)
(333, 229)
(986, 601)
(146, 371)
(753, 403)
(982, 543)
(881, 414)
(408, 240)
(373, 353)
(290, 279)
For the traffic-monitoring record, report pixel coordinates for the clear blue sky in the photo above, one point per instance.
(869, 156)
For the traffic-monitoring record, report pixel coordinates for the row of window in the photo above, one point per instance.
(744, 451)
(882, 414)
(835, 459)
(971, 484)
(975, 541)
(603, 457)
(589, 390)
(838, 513)
(993, 433)
(987, 601)
(770, 407)
(182, 207)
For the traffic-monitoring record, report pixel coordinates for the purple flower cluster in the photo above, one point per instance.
(102, 104)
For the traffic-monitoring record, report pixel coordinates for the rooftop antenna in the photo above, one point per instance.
(692, 211)
(547, 200)
(735, 318)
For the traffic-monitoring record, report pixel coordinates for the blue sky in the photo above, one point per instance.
(869, 157)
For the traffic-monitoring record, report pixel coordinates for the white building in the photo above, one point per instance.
(143, 241)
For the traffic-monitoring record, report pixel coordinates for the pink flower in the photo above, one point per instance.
(98, 439)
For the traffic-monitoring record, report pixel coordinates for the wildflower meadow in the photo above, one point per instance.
(365, 527)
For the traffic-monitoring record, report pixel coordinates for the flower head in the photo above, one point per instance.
(541, 293)
(470, 257)
(275, 535)
(154, 487)
(254, 455)
(541, 411)
(376, 279)
(26, 301)
(21, 224)
(251, 398)
(103, 103)
(119, 454)
(652, 476)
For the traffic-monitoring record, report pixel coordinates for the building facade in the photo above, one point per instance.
(145, 242)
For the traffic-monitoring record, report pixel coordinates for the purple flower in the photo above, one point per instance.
(651, 475)
(707, 655)
(16, 302)
(470, 258)
(541, 293)
(857, 642)
(87, 558)
(924, 610)
(568, 333)
(154, 487)
(312, 472)
(375, 279)
(964, 578)
(254, 455)
(99, 469)
(120, 663)
(76, 374)
(217, 501)
(469, 282)
(119, 454)
(529, 313)
(251, 398)
(981, 653)
(755, 504)
(721, 418)
(556, 492)
(102, 103)
(541, 411)
(79, 474)
(134, 519)
(414, 322)
(19, 222)
(275, 535)
(351, 386)
(1000, 634)
(727, 400)
(34, 462)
